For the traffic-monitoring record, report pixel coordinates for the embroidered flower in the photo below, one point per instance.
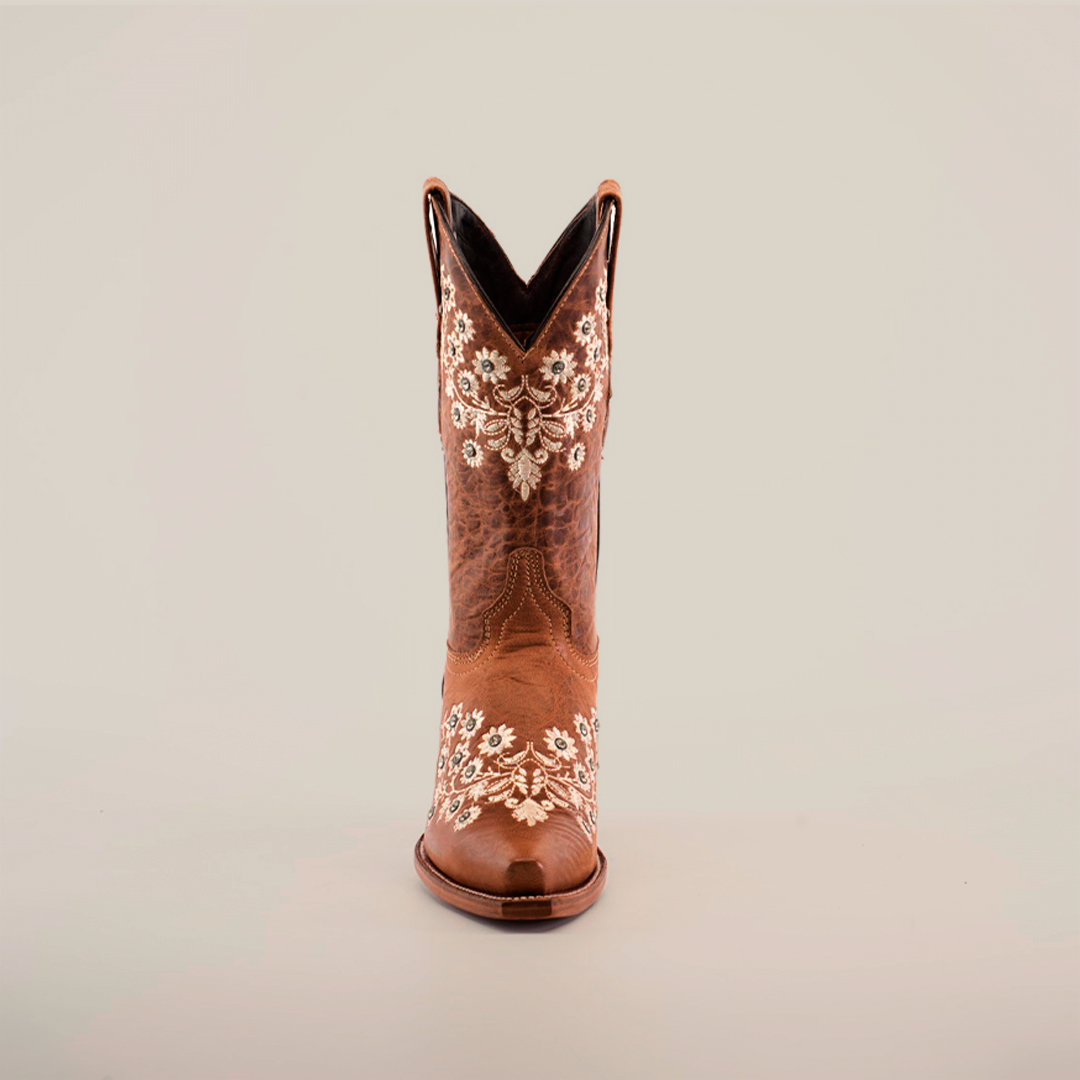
(455, 717)
(576, 456)
(447, 291)
(557, 367)
(583, 776)
(497, 740)
(560, 743)
(594, 354)
(588, 417)
(583, 726)
(466, 817)
(585, 330)
(463, 327)
(473, 452)
(581, 384)
(472, 771)
(490, 365)
(459, 414)
(452, 350)
(465, 381)
(473, 722)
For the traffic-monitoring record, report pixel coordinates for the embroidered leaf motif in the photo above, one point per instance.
(530, 812)
(525, 473)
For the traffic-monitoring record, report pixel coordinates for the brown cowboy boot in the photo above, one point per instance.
(524, 385)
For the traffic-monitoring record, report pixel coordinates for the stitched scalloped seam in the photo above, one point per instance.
(460, 663)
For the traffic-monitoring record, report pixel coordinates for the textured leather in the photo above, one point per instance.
(524, 390)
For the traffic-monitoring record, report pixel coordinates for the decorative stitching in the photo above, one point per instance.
(525, 422)
(460, 663)
(529, 782)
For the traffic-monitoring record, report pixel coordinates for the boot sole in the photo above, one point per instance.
(492, 906)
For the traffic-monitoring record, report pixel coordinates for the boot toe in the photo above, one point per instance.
(552, 857)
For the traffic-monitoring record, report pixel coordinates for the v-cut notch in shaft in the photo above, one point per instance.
(523, 309)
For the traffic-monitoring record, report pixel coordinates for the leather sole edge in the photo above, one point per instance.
(492, 906)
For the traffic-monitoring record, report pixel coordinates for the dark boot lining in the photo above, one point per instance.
(523, 308)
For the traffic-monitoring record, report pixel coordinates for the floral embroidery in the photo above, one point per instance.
(448, 291)
(585, 330)
(525, 420)
(558, 366)
(473, 452)
(478, 766)
(490, 366)
(463, 327)
(560, 743)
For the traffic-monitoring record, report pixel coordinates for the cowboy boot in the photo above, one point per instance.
(523, 389)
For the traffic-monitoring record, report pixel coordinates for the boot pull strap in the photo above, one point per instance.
(433, 186)
(610, 189)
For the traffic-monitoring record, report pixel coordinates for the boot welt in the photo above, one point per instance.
(489, 905)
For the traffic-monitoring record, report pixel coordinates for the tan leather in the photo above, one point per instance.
(524, 389)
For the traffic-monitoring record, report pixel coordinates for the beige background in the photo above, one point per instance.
(838, 583)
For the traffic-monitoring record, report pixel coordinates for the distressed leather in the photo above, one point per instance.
(524, 388)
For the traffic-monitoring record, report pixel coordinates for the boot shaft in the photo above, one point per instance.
(524, 385)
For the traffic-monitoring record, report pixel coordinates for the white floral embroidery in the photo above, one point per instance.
(452, 350)
(561, 743)
(585, 330)
(528, 420)
(477, 766)
(467, 816)
(497, 740)
(490, 366)
(558, 366)
(463, 327)
(447, 292)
